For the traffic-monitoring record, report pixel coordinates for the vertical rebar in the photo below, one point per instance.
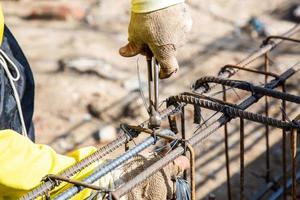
(150, 80)
(284, 170)
(293, 138)
(126, 146)
(155, 66)
(183, 123)
(193, 172)
(183, 136)
(227, 150)
(266, 68)
(242, 164)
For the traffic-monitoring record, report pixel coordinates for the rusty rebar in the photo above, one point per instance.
(256, 54)
(267, 130)
(106, 168)
(233, 112)
(242, 162)
(198, 137)
(244, 85)
(284, 168)
(192, 170)
(271, 37)
(103, 151)
(227, 67)
(293, 140)
(58, 179)
(227, 150)
(183, 133)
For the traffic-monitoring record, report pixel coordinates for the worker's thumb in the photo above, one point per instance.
(166, 57)
(131, 49)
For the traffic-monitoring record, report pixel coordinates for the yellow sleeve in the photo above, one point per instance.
(1, 24)
(24, 164)
(144, 6)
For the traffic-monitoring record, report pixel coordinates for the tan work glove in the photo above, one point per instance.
(160, 185)
(163, 31)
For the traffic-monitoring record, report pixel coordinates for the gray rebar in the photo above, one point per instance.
(109, 167)
(100, 153)
(202, 134)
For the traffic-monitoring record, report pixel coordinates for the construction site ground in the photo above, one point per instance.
(66, 97)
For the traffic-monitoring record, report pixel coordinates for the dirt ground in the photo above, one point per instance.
(65, 98)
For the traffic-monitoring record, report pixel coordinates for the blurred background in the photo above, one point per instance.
(85, 89)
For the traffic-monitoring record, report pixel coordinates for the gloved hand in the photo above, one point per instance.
(162, 31)
(24, 164)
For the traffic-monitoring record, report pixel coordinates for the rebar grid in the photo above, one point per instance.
(177, 103)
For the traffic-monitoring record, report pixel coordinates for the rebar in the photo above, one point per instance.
(272, 184)
(103, 151)
(293, 140)
(233, 112)
(278, 193)
(192, 169)
(256, 54)
(227, 150)
(271, 37)
(242, 162)
(202, 134)
(244, 85)
(71, 171)
(283, 144)
(228, 67)
(267, 129)
(107, 168)
(228, 111)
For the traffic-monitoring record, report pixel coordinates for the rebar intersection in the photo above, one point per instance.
(226, 111)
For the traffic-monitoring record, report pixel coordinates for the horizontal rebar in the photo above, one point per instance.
(100, 172)
(234, 112)
(103, 151)
(203, 133)
(264, 49)
(244, 85)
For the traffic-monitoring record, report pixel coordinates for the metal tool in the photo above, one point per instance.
(153, 90)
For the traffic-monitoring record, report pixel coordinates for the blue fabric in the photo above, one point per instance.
(9, 117)
(183, 191)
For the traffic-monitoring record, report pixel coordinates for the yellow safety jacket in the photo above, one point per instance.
(144, 6)
(1, 24)
(23, 164)
(138, 6)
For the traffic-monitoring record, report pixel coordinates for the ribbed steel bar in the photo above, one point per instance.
(233, 112)
(256, 54)
(201, 135)
(192, 170)
(243, 85)
(242, 159)
(227, 150)
(293, 143)
(183, 134)
(103, 151)
(107, 168)
(267, 128)
(69, 172)
(283, 144)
